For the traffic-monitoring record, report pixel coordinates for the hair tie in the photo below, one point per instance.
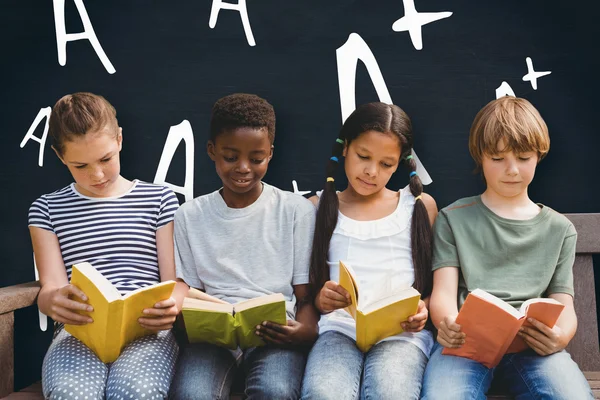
(408, 157)
(412, 174)
(334, 158)
(417, 198)
(329, 179)
(340, 141)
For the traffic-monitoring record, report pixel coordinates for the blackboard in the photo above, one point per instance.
(167, 65)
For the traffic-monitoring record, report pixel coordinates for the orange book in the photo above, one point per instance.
(491, 325)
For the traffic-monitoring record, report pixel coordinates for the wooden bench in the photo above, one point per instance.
(584, 347)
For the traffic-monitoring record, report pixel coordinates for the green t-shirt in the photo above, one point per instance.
(511, 259)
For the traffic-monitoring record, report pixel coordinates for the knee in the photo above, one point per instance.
(274, 390)
(68, 389)
(136, 388)
(322, 393)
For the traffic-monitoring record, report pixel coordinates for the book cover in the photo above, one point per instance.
(114, 316)
(491, 326)
(231, 325)
(380, 315)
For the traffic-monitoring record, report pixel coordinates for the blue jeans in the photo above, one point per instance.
(524, 375)
(206, 371)
(335, 368)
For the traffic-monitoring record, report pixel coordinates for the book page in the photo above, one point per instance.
(95, 277)
(258, 301)
(347, 282)
(195, 304)
(383, 291)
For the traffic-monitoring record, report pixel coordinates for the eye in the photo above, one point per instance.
(80, 166)
(362, 157)
(257, 161)
(386, 165)
(229, 159)
(105, 160)
(524, 158)
(497, 158)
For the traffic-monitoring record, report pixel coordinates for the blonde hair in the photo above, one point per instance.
(77, 114)
(513, 120)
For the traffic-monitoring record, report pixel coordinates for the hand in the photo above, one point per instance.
(449, 334)
(542, 339)
(416, 322)
(161, 317)
(293, 334)
(65, 310)
(332, 297)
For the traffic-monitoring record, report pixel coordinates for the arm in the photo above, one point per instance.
(443, 307)
(163, 315)
(301, 332)
(53, 299)
(544, 340)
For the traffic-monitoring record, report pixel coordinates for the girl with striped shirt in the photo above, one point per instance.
(124, 229)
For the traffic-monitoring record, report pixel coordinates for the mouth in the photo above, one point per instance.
(100, 185)
(511, 183)
(366, 183)
(241, 182)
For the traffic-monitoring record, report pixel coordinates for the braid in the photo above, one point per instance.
(421, 234)
(327, 216)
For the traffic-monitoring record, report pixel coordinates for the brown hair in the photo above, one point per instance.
(77, 114)
(392, 120)
(512, 119)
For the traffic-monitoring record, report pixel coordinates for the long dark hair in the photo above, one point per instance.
(382, 118)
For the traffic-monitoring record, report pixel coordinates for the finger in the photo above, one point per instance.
(161, 312)
(441, 340)
(73, 290)
(419, 317)
(65, 302)
(156, 322)
(271, 334)
(451, 334)
(333, 295)
(168, 303)
(284, 329)
(334, 305)
(541, 327)
(449, 338)
(535, 344)
(157, 328)
(70, 317)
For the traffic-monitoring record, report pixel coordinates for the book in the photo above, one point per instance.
(115, 316)
(491, 325)
(231, 325)
(377, 315)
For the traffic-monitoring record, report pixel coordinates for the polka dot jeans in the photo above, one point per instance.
(144, 370)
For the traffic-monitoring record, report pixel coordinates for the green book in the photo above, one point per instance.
(231, 325)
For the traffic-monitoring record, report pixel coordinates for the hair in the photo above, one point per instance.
(242, 110)
(513, 120)
(78, 114)
(389, 119)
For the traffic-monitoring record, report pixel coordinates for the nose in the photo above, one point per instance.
(511, 167)
(97, 173)
(243, 167)
(371, 170)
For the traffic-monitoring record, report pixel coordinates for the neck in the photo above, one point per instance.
(350, 195)
(241, 200)
(517, 207)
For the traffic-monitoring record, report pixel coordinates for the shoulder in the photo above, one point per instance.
(292, 202)
(465, 205)
(558, 222)
(196, 206)
(59, 194)
(154, 187)
(430, 206)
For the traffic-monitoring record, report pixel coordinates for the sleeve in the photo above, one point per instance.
(445, 253)
(39, 215)
(562, 280)
(168, 205)
(304, 228)
(185, 266)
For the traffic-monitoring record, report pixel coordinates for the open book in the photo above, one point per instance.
(115, 316)
(231, 325)
(491, 325)
(377, 315)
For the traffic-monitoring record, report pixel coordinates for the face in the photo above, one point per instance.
(507, 173)
(93, 160)
(371, 159)
(241, 159)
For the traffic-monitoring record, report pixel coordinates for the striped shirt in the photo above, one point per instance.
(117, 235)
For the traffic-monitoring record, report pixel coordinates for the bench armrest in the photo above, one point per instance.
(18, 296)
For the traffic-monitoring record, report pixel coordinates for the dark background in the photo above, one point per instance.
(170, 66)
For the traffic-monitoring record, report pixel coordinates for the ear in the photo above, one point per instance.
(345, 151)
(271, 153)
(210, 150)
(120, 138)
(58, 155)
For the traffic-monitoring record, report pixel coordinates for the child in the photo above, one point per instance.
(242, 241)
(379, 232)
(506, 244)
(124, 229)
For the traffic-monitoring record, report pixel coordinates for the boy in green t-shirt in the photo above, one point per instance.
(504, 243)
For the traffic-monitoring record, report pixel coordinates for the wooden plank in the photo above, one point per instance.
(18, 296)
(7, 366)
(588, 228)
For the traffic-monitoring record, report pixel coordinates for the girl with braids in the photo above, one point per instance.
(380, 233)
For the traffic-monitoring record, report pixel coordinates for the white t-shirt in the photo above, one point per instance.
(238, 254)
(374, 249)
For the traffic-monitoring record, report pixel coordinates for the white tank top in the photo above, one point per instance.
(374, 249)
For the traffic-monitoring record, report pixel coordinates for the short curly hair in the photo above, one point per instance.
(241, 110)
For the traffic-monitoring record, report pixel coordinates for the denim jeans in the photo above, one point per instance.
(524, 375)
(336, 367)
(206, 371)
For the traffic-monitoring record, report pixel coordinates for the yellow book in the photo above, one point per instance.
(115, 316)
(231, 325)
(380, 315)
